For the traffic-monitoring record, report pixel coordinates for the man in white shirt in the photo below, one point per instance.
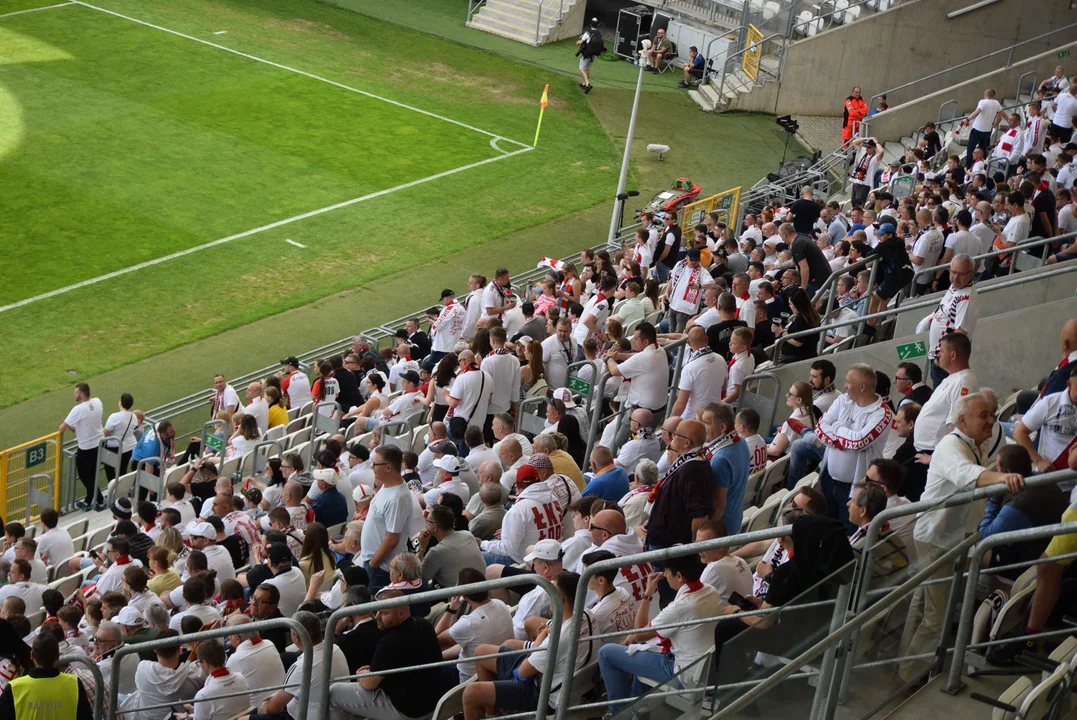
(219, 681)
(257, 660)
(1035, 132)
(448, 328)
(644, 443)
(85, 421)
(982, 229)
(684, 290)
(497, 298)
(722, 570)
(386, 529)
(855, 430)
(295, 383)
(710, 315)
(869, 153)
(54, 545)
(751, 232)
(257, 406)
(936, 417)
(489, 622)
(1010, 142)
(287, 699)
(956, 465)
(958, 311)
(117, 549)
(534, 516)
(1054, 417)
(503, 369)
(558, 351)
(703, 377)
(595, 312)
(1065, 110)
(745, 304)
(20, 586)
(648, 369)
(194, 594)
(403, 364)
(983, 119)
(224, 396)
(404, 406)
(927, 249)
(469, 396)
(821, 378)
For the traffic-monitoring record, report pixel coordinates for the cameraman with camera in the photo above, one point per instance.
(590, 46)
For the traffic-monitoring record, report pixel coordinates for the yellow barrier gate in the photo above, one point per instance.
(725, 203)
(23, 462)
(754, 52)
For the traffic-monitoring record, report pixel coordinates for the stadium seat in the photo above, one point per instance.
(774, 477)
(276, 433)
(36, 618)
(78, 527)
(751, 489)
(68, 586)
(174, 473)
(418, 438)
(298, 424)
(230, 466)
(451, 703)
(746, 518)
(98, 536)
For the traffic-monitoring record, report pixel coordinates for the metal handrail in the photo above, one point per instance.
(964, 627)
(1019, 280)
(876, 611)
(444, 594)
(743, 48)
(1030, 243)
(949, 70)
(540, 27)
(221, 632)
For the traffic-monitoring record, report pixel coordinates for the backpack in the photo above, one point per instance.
(594, 46)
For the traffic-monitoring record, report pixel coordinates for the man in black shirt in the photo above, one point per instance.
(357, 636)
(685, 496)
(719, 333)
(264, 607)
(668, 248)
(805, 212)
(348, 395)
(406, 641)
(1044, 214)
(419, 341)
(811, 263)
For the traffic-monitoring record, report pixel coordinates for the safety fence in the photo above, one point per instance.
(29, 478)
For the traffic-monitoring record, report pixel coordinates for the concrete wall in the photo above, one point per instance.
(572, 24)
(902, 119)
(903, 44)
(1057, 287)
(1012, 351)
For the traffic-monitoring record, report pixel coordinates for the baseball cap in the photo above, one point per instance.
(279, 553)
(326, 475)
(444, 447)
(129, 616)
(447, 293)
(545, 550)
(540, 461)
(290, 360)
(354, 575)
(449, 463)
(565, 396)
(202, 529)
(411, 376)
(887, 228)
(526, 471)
(362, 494)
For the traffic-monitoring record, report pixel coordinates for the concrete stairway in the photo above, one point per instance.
(736, 84)
(534, 22)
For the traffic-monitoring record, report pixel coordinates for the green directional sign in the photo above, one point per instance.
(36, 454)
(1063, 53)
(908, 351)
(215, 443)
(579, 386)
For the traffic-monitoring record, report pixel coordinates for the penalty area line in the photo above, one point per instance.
(293, 242)
(254, 231)
(38, 9)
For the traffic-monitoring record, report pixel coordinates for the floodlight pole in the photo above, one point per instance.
(618, 205)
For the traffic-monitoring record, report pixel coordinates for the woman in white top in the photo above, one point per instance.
(802, 419)
(121, 426)
(441, 381)
(376, 399)
(245, 437)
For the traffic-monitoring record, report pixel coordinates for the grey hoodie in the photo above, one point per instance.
(157, 684)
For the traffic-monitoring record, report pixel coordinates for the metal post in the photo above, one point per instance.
(871, 284)
(678, 366)
(951, 607)
(99, 680)
(618, 202)
(599, 391)
(826, 671)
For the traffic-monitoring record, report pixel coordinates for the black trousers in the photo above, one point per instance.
(125, 462)
(86, 466)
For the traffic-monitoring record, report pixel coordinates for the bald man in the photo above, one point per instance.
(1059, 377)
(609, 532)
(686, 495)
(644, 442)
(257, 406)
(512, 458)
(609, 480)
(702, 378)
(669, 427)
(258, 662)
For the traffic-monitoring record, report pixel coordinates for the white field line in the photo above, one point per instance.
(293, 242)
(302, 72)
(30, 10)
(255, 231)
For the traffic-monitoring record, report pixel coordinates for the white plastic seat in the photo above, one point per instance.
(78, 527)
(275, 433)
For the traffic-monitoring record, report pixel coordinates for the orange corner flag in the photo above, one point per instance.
(542, 109)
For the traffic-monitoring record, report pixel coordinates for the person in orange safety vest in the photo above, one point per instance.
(855, 111)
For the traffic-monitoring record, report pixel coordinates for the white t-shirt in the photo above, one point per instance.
(30, 593)
(556, 356)
(473, 390)
(540, 658)
(598, 307)
(689, 643)
(203, 612)
(86, 419)
(208, 707)
(957, 309)
(492, 298)
(259, 408)
(703, 377)
(649, 373)
(642, 255)
(729, 575)
(490, 623)
(503, 381)
(757, 447)
(121, 426)
(636, 449)
(988, 108)
(112, 579)
(338, 668)
(1016, 230)
(56, 544)
(293, 590)
(708, 317)
(743, 366)
(928, 246)
(456, 486)
(260, 665)
(298, 389)
(448, 328)
(1065, 109)
(615, 612)
(955, 465)
(218, 558)
(390, 511)
(533, 603)
(937, 415)
(1056, 419)
(1067, 221)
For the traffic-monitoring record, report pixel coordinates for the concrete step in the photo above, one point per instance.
(509, 23)
(892, 151)
(524, 13)
(710, 92)
(478, 23)
(703, 102)
(908, 143)
(509, 13)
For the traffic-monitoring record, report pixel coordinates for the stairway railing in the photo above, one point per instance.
(541, 27)
(775, 43)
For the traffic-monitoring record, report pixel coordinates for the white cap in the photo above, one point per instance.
(130, 616)
(201, 529)
(449, 463)
(545, 550)
(565, 396)
(362, 493)
(326, 475)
